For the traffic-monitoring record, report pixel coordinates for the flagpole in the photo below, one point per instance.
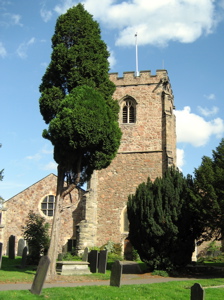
(136, 55)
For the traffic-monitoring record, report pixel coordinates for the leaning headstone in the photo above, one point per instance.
(24, 258)
(85, 254)
(93, 260)
(40, 276)
(21, 245)
(12, 239)
(116, 272)
(102, 266)
(1, 245)
(197, 292)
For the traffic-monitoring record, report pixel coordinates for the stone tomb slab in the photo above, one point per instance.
(72, 267)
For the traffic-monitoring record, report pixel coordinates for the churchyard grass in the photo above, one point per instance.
(12, 273)
(157, 291)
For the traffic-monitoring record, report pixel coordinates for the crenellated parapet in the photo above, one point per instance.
(145, 77)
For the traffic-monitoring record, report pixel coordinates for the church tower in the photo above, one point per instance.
(147, 149)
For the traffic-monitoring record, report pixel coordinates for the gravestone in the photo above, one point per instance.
(12, 239)
(1, 246)
(60, 256)
(116, 272)
(21, 245)
(102, 266)
(24, 257)
(85, 254)
(197, 292)
(93, 260)
(40, 276)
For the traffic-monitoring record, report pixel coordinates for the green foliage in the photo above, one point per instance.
(79, 57)
(113, 248)
(135, 255)
(68, 256)
(84, 135)
(36, 234)
(164, 221)
(212, 247)
(160, 273)
(209, 178)
(76, 98)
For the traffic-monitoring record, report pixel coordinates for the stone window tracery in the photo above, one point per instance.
(129, 111)
(47, 205)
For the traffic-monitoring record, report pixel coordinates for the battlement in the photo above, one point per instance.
(145, 77)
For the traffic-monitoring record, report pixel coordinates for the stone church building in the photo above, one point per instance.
(98, 215)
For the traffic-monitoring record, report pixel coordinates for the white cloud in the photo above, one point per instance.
(194, 130)
(210, 96)
(8, 19)
(180, 158)
(62, 8)
(3, 51)
(112, 59)
(51, 166)
(35, 157)
(157, 22)
(23, 48)
(46, 15)
(16, 19)
(208, 112)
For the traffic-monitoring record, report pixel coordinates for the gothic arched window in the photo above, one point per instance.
(129, 111)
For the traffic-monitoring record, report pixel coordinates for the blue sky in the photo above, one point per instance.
(185, 37)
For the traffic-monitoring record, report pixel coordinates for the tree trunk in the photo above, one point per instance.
(55, 231)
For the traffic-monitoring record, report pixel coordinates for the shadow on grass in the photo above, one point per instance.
(14, 265)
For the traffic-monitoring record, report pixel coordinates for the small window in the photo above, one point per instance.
(128, 111)
(125, 221)
(47, 205)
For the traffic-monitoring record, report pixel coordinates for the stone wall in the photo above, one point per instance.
(17, 208)
(147, 147)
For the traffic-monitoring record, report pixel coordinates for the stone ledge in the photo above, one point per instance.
(72, 267)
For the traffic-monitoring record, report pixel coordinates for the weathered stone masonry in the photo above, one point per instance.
(148, 147)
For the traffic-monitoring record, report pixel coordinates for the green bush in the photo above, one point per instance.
(68, 256)
(160, 273)
(35, 232)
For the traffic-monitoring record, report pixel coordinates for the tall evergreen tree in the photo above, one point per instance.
(163, 221)
(76, 101)
(209, 177)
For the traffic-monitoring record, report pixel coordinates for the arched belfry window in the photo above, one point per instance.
(129, 111)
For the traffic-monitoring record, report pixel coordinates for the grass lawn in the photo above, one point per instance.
(10, 272)
(156, 291)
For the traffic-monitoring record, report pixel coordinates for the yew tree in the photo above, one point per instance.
(76, 101)
(164, 223)
(209, 178)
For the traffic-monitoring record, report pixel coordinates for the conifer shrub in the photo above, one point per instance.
(164, 221)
